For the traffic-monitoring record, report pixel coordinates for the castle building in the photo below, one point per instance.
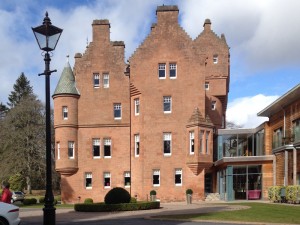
(147, 125)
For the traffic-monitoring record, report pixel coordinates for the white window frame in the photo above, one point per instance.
(96, 77)
(65, 112)
(206, 85)
(88, 175)
(137, 145)
(167, 100)
(106, 175)
(71, 147)
(105, 80)
(173, 67)
(192, 142)
(107, 142)
(156, 172)
(167, 136)
(97, 142)
(58, 150)
(126, 175)
(137, 106)
(213, 105)
(161, 67)
(178, 171)
(215, 59)
(117, 107)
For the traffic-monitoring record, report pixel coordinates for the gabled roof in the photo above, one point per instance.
(66, 83)
(283, 101)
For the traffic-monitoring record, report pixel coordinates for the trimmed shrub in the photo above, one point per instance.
(152, 192)
(42, 200)
(133, 200)
(29, 201)
(88, 201)
(102, 207)
(117, 195)
(189, 191)
(292, 192)
(274, 193)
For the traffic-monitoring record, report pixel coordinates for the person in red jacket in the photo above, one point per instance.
(6, 194)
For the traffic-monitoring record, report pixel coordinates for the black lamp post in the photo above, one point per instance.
(47, 37)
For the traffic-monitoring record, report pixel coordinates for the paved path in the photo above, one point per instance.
(143, 217)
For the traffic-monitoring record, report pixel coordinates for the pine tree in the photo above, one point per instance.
(22, 89)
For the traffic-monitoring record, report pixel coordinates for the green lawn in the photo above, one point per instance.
(258, 212)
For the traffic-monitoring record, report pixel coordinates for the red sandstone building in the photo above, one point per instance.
(150, 128)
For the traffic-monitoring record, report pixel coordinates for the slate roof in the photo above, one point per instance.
(66, 83)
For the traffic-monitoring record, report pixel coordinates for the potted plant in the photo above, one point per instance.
(189, 193)
(152, 195)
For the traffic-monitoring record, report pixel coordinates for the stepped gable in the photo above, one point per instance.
(156, 27)
(198, 119)
(208, 31)
(66, 83)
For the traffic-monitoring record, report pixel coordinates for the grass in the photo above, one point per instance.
(258, 212)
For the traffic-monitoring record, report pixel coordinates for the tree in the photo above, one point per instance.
(23, 142)
(3, 110)
(232, 125)
(22, 89)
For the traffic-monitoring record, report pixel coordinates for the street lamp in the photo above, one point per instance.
(47, 37)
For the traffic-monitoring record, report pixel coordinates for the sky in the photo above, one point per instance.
(263, 36)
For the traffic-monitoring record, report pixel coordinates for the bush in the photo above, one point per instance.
(189, 191)
(153, 192)
(88, 201)
(29, 201)
(133, 200)
(42, 200)
(102, 207)
(274, 193)
(117, 195)
(291, 193)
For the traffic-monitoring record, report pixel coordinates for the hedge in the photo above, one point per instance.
(292, 193)
(102, 207)
(29, 201)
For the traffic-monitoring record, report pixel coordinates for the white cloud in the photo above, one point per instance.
(243, 111)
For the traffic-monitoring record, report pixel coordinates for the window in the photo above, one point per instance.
(96, 148)
(213, 105)
(58, 150)
(65, 112)
(117, 111)
(162, 71)
(156, 178)
(127, 179)
(88, 180)
(96, 80)
(107, 180)
(167, 104)
(107, 148)
(277, 138)
(215, 59)
(178, 177)
(192, 142)
(206, 142)
(296, 130)
(106, 80)
(71, 146)
(173, 70)
(137, 145)
(136, 106)
(201, 141)
(206, 85)
(167, 143)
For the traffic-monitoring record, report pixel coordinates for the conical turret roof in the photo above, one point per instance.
(66, 83)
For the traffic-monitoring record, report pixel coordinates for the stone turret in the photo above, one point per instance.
(65, 99)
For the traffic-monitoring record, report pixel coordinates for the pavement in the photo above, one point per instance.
(68, 216)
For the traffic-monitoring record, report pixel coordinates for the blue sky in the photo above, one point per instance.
(264, 40)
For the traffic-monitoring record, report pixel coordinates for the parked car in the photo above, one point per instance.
(9, 214)
(17, 196)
